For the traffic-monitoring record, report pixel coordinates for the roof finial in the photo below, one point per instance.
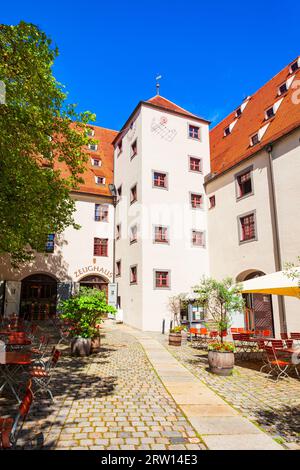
(158, 77)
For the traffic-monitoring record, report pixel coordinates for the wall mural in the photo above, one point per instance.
(160, 128)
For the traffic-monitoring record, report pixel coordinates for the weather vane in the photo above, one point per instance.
(158, 77)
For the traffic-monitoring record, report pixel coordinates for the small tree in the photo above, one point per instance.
(84, 312)
(174, 304)
(220, 299)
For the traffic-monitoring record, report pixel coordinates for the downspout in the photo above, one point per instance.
(276, 238)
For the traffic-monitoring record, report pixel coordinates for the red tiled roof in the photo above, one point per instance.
(105, 153)
(226, 152)
(162, 102)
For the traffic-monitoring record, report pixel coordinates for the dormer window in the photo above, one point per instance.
(93, 147)
(294, 67)
(100, 180)
(282, 89)
(96, 162)
(269, 113)
(90, 132)
(238, 112)
(227, 131)
(254, 139)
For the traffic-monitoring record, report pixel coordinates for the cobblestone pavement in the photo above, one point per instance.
(112, 400)
(275, 406)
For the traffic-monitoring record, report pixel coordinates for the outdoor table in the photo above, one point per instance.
(10, 363)
(12, 332)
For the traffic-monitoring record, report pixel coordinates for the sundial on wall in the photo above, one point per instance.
(161, 128)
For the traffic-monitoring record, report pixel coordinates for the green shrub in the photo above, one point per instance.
(83, 312)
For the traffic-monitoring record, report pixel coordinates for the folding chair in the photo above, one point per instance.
(284, 336)
(41, 349)
(277, 366)
(10, 428)
(41, 373)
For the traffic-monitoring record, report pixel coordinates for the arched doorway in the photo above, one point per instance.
(94, 281)
(38, 297)
(259, 309)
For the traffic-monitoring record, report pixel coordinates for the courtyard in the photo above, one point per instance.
(137, 392)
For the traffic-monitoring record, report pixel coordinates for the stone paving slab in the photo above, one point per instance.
(194, 397)
(244, 442)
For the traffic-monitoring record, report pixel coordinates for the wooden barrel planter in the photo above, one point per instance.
(175, 339)
(81, 346)
(221, 363)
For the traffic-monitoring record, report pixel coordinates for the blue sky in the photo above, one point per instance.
(210, 54)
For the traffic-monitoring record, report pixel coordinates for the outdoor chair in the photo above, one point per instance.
(277, 343)
(295, 336)
(289, 343)
(10, 428)
(234, 330)
(284, 336)
(41, 348)
(247, 346)
(277, 366)
(266, 333)
(41, 373)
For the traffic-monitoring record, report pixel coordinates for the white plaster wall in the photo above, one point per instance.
(171, 208)
(128, 173)
(286, 165)
(73, 255)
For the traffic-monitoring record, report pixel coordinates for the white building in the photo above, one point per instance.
(189, 203)
(161, 156)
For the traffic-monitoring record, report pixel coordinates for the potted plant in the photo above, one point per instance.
(220, 298)
(175, 336)
(83, 312)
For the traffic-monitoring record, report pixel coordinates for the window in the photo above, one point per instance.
(194, 132)
(100, 247)
(282, 89)
(133, 234)
(49, 248)
(90, 132)
(133, 194)
(270, 113)
(133, 149)
(133, 274)
(247, 227)
(254, 139)
(212, 202)
(161, 279)
(238, 112)
(227, 131)
(161, 234)
(196, 201)
(195, 164)
(93, 147)
(100, 180)
(101, 212)
(120, 148)
(118, 231)
(118, 268)
(96, 162)
(198, 238)
(244, 183)
(294, 66)
(160, 180)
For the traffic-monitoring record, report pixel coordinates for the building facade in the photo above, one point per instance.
(254, 186)
(188, 203)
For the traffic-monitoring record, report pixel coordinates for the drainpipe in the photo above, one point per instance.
(276, 238)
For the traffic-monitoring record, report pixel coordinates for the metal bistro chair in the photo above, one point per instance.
(277, 366)
(10, 428)
(41, 348)
(41, 373)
